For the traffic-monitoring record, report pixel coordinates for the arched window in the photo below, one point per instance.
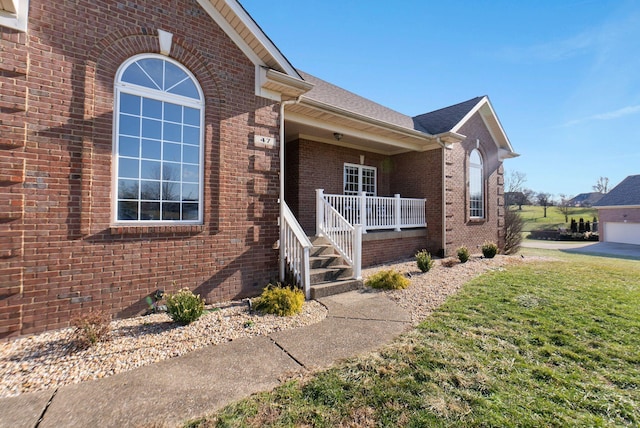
(476, 185)
(158, 143)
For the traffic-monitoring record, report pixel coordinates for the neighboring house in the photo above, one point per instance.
(619, 212)
(140, 150)
(585, 199)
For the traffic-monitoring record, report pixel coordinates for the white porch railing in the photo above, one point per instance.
(375, 212)
(294, 250)
(346, 238)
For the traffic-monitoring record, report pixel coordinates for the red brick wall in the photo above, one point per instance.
(381, 251)
(419, 175)
(61, 255)
(311, 165)
(460, 229)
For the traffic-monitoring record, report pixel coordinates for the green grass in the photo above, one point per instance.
(539, 344)
(534, 217)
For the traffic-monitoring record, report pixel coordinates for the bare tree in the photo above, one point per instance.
(513, 225)
(514, 181)
(514, 190)
(602, 185)
(544, 199)
(565, 207)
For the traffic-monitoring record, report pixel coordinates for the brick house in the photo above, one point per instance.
(619, 212)
(140, 150)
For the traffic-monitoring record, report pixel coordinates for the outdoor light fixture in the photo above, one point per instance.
(338, 136)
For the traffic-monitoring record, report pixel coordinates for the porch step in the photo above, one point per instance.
(329, 273)
(335, 273)
(334, 287)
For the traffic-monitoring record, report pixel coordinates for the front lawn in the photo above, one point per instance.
(538, 344)
(533, 217)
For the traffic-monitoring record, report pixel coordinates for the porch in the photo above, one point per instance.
(350, 230)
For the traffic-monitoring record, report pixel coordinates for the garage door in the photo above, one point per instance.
(625, 233)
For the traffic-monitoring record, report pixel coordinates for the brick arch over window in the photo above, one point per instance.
(99, 73)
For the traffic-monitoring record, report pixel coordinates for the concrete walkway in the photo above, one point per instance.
(201, 382)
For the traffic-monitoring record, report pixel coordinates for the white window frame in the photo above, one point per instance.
(14, 14)
(476, 173)
(121, 87)
(361, 169)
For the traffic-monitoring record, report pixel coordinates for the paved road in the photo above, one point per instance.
(610, 249)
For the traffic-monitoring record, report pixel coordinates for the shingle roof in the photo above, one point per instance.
(625, 193)
(586, 198)
(333, 95)
(444, 119)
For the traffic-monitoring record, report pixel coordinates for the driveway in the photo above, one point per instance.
(609, 249)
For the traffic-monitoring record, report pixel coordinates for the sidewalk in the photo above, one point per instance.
(176, 390)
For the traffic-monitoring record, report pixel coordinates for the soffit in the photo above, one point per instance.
(248, 35)
(311, 122)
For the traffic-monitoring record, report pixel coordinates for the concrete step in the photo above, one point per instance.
(325, 260)
(335, 287)
(328, 274)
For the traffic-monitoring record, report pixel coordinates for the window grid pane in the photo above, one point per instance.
(158, 143)
(358, 178)
(476, 185)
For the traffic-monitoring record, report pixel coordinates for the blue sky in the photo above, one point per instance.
(563, 75)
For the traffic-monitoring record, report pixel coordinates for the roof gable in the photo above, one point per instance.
(444, 119)
(624, 194)
(453, 118)
(247, 35)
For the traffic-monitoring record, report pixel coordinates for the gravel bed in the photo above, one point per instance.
(49, 360)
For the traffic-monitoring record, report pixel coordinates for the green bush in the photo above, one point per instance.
(280, 300)
(184, 307)
(489, 250)
(424, 260)
(463, 254)
(90, 328)
(388, 280)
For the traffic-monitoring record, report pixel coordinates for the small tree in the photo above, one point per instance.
(602, 185)
(565, 207)
(544, 199)
(513, 225)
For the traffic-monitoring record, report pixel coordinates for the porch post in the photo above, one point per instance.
(363, 211)
(319, 211)
(357, 251)
(397, 211)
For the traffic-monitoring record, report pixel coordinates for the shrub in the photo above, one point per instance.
(489, 250)
(184, 307)
(280, 300)
(424, 260)
(90, 328)
(388, 280)
(463, 254)
(513, 224)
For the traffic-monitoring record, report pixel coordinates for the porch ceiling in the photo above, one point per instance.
(308, 121)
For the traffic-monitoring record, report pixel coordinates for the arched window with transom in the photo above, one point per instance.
(158, 142)
(476, 185)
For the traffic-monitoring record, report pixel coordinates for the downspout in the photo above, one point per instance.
(281, 193)
(444, 197)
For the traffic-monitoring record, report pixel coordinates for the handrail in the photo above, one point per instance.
(343, 236)
(294, 250)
